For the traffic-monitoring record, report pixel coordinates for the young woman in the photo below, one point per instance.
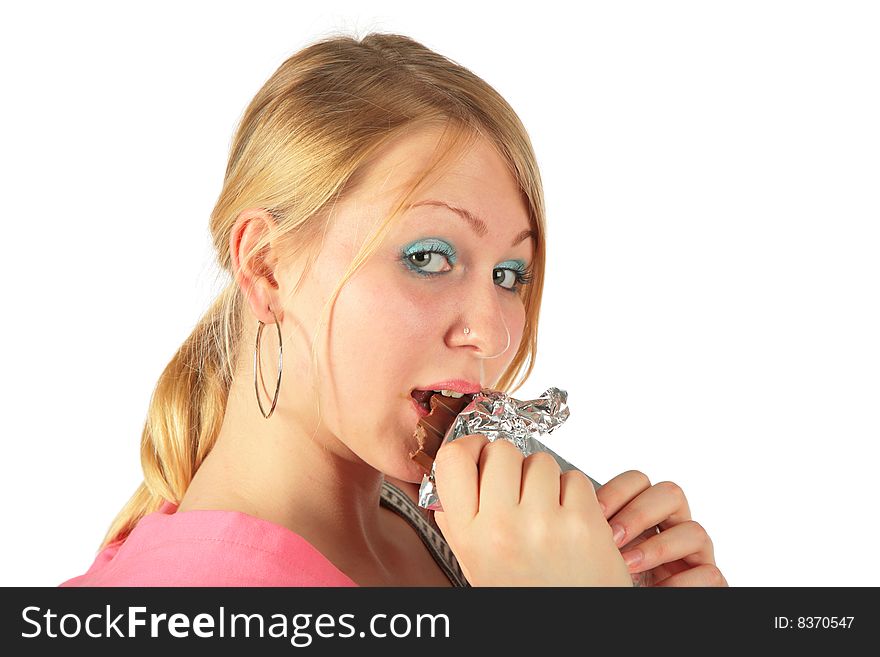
(382, 223)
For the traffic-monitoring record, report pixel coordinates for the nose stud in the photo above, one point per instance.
(466, 330)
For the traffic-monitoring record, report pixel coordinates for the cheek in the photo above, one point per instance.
(516, 332)
(394, 312)
(382, 328)
(378, 331)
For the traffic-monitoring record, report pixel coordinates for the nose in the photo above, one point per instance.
(481, 313)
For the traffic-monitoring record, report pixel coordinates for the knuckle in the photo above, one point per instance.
(578, 483)
(578, 529)
(576, 477)
(580, 524)
(659, 553)
(540, 530)
(633, 520)
(639, 476)
(542, 459)
(450, 453)
(499, 538)
(672, 489)
(473, 439)
(713, 575)
(501, 445)
(704, 535)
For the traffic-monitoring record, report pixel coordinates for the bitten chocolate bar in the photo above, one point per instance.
(432, 428)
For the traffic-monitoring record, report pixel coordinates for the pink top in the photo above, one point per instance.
(210, 548)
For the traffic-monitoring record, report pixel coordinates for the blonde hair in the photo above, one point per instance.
(305, 141)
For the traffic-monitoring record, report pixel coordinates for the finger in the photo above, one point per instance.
(500, 476)
(456, 475)
(621, 489)
(577, 492)
(705, 575)
(540, 487)
(687, 539)
(663, 504)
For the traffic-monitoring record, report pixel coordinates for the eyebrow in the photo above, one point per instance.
(478, 225)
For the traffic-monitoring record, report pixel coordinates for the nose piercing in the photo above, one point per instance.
(466, 330)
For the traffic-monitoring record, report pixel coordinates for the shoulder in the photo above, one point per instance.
(210, 548)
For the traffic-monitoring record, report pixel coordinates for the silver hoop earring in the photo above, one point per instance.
(258, 366)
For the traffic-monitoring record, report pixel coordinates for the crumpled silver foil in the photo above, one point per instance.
(499, 416)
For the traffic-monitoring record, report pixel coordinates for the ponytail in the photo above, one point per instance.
(184, 416)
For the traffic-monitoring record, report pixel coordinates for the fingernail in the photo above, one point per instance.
(618, 535)
(632, 557)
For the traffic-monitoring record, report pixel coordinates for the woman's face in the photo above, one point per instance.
(398, 323)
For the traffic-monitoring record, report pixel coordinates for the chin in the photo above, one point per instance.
(411, 473)
(404, 469)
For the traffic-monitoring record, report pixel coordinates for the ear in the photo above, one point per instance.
(255, 274)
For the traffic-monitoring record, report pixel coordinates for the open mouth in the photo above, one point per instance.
(423, 397)
(437, 411)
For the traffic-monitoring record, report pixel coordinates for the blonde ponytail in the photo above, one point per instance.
(184, 416)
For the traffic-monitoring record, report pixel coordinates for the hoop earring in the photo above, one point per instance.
(258, 365)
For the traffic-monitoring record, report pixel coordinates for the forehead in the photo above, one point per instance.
(477, 179)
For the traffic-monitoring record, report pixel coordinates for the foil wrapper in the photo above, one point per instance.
(498, 416)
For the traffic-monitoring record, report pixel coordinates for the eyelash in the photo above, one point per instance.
(523, 276)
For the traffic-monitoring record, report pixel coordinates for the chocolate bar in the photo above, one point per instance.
(432, 428)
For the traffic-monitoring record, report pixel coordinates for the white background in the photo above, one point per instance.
(711, 173)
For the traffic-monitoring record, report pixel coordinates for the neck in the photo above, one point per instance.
(282, 471)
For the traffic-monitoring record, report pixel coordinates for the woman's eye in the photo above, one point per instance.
(428, 261)
(506, 278)
(432, 257)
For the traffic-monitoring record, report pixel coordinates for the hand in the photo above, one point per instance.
(682, 553)
(514, 521)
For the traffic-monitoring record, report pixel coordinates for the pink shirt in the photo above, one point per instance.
(210, 548)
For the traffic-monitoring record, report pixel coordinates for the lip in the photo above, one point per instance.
(455, 385)
(419, 410)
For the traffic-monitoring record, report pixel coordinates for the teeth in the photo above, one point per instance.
(450, 393)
